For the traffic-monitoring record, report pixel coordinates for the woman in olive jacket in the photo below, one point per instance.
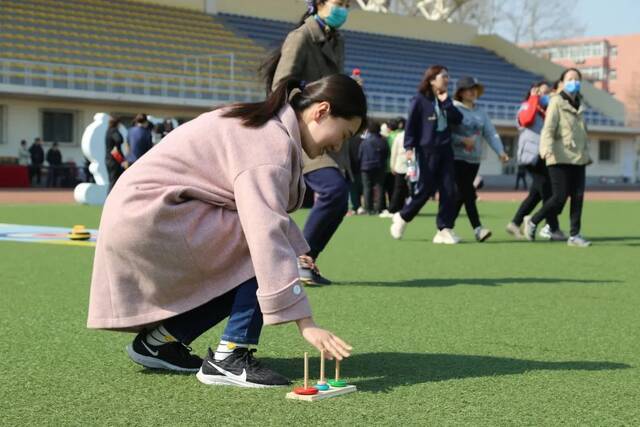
(313, 50)
(564, 145)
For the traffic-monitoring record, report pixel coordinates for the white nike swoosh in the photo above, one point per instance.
(242, 377)
(155, 353)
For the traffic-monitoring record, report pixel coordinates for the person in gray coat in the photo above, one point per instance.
(468, 138)
(313, 50)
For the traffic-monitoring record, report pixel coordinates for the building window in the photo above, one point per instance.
(613, 74)
(57, 126)
(605, 151)
(613, 51)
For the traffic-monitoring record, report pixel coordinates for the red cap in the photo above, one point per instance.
(355, 72)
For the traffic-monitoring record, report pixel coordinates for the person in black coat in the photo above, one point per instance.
(115, 159)
(37, 159)
(374, 156)
(139, 138)
(355, 186)
(54, 159)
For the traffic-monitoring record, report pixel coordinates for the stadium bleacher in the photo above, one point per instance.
(93, 35)
(393, 66)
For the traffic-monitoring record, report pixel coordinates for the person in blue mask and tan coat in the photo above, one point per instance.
(564, 145)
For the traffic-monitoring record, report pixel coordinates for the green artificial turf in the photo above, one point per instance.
(500, 333)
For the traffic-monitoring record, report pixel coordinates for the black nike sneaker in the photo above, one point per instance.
(309, 272)
(173, 356)
(240, 369)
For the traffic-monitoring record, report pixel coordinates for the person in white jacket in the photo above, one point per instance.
(398, 163)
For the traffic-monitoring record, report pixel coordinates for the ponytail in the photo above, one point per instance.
(267, 70)
(256, 114)
(344, 94)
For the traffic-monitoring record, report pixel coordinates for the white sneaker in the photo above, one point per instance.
(514, 230)
(361, 211)
(529, 229)
(385, 214)
(545, 232)
(578, 241)
(398, 225)
(446, 236)
(482, 234)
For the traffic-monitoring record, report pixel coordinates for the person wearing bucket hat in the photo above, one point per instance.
(467, 136)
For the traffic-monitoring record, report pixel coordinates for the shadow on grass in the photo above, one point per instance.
(441, 283)
(385, 371)
(614, 239)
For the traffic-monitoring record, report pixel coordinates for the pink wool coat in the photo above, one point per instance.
(199, 214)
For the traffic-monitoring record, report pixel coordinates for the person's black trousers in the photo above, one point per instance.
(400, 192)
(35, 171)
(540, 190)
(566, 181)
(465, 175)
(373, 185)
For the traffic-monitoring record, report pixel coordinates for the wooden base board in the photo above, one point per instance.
(332, 392)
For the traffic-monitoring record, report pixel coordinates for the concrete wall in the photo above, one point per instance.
(623, 163)
(24, 121)
(22, 118)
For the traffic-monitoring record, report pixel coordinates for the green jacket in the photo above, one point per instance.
(307, 54)
(564, 138)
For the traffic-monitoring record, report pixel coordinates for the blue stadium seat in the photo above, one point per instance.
(396, 65)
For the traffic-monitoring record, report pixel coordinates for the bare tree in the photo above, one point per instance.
(486, 15)
(529, 21)
(522, 21)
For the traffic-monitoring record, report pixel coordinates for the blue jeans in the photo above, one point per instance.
(239, 304)
(329, 209)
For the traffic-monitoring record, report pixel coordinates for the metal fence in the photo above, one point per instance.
(63, 77)
(196, 89)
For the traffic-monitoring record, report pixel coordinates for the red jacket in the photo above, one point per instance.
(528, 110)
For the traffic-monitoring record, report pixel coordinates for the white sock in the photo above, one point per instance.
(477, 230)
(225, 348)
(159, 336)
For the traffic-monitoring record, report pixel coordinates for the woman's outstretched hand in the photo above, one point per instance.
(333, 346)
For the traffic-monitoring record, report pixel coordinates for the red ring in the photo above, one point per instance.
(305, 391)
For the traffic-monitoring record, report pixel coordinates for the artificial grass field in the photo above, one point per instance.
(501, 333)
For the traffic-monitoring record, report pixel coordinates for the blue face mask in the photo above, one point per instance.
(337, 17)
(572, 86)
(544, 100)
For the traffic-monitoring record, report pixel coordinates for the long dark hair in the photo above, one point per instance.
(344, 94)
(429, 76)
(565, 72)
(267, 70)
(535, 85)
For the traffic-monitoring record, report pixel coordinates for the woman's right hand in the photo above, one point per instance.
(333, 346)
(409, 154)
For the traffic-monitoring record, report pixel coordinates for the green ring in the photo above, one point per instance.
(337, 383)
